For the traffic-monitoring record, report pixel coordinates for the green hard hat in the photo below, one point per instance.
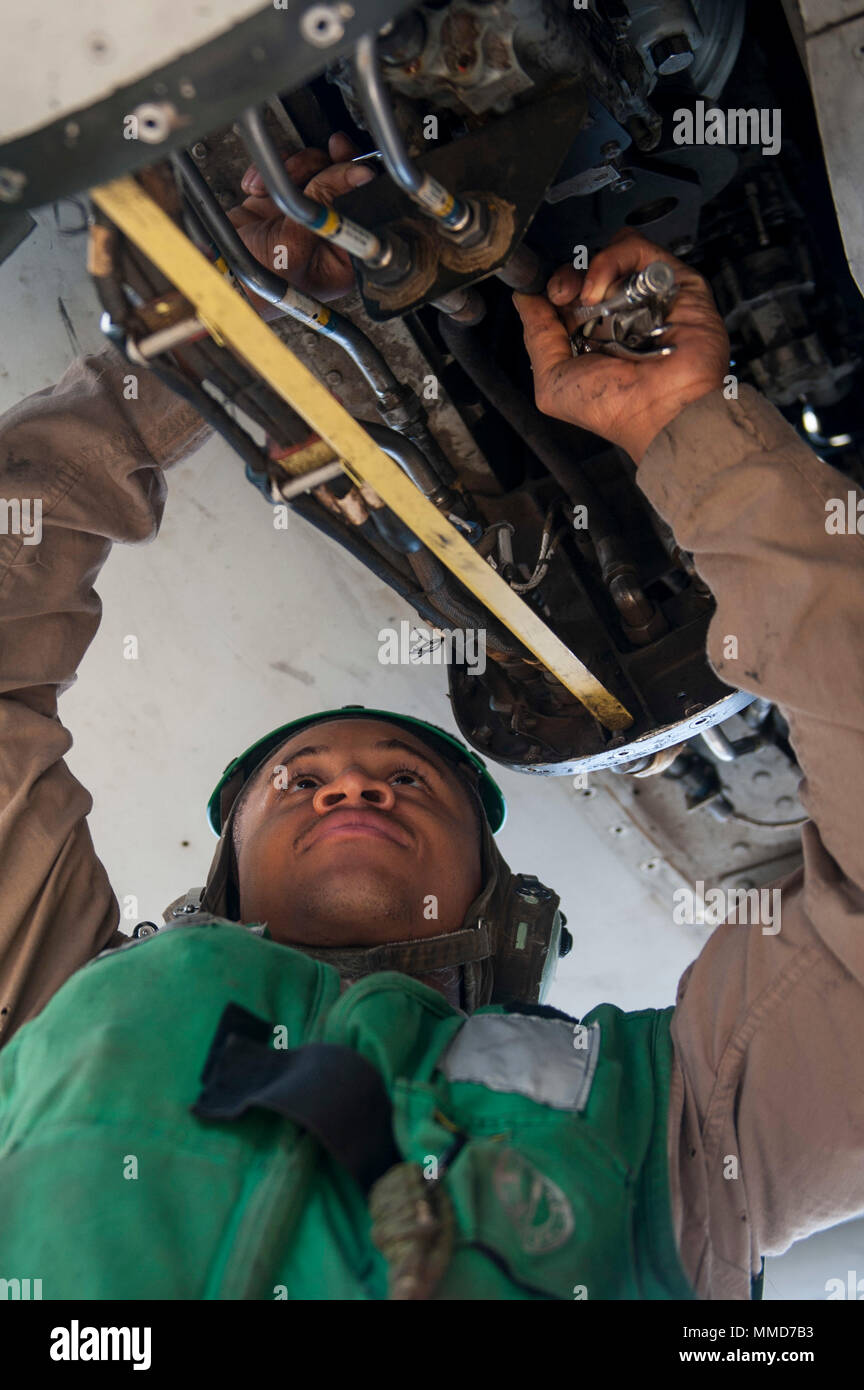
(240, 769)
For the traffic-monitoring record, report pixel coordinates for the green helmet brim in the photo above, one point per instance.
(452, 749)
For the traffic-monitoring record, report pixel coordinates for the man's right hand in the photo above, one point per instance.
(627, 403)
(308, 262)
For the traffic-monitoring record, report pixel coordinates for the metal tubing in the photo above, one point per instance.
(166, 340)
(524, 272)
(305, 482)
(269, 286)
(453, 214)
(322, 220)
(390, 393)
(720, 745)
(408, 456)
(464, 305)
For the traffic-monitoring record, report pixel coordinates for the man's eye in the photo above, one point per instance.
(303, 777)
(410, 773)
(305, 781)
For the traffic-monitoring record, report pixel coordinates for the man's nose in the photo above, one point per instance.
(354, 787)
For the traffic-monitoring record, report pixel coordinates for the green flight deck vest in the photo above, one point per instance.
(209, 1116)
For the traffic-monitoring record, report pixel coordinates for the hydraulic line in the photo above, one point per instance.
(350, 538)
(452, 213)
(438, 588)
(375, 251)
(397, 404)
(270, 287)
(409, 458)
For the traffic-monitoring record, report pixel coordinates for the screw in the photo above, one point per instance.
(156, 120)
(333, 377)
(187, 88)
(610, 150)
(321, 25)
(12, 183)
(199, 150)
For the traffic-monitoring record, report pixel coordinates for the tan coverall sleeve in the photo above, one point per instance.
(768, 1030)
(93, 459)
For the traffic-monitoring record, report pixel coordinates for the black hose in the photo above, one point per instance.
(257, 464)
(475, 359)
(346, 536)
(438, 586)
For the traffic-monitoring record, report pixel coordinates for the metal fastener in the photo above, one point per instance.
(321, 25)
(12, 183)
(156, 120)
(672, 54)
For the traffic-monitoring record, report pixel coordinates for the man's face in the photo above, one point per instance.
(357, 833)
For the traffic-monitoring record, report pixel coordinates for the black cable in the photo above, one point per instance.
(257, 463)
(476, 360)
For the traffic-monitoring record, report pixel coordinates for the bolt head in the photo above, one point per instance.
(672, 54)
(156, 120)
(322, 25)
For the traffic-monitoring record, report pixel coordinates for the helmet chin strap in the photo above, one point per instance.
(458, 964)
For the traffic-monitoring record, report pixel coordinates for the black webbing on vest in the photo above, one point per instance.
(331, 1091)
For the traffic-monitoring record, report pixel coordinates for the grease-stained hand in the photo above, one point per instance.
(308, 262)
(627, 403)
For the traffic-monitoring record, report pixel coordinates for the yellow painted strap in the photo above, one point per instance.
(220, 307)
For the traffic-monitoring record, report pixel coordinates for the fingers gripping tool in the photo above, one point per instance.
(631, 321)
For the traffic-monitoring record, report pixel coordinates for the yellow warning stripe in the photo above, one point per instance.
(223, 309)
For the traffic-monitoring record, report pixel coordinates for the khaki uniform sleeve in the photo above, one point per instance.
(83, 464)
(766, 1137)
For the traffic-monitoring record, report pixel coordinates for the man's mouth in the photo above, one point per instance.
(355, 824)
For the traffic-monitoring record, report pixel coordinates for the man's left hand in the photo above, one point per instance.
(307, 261)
